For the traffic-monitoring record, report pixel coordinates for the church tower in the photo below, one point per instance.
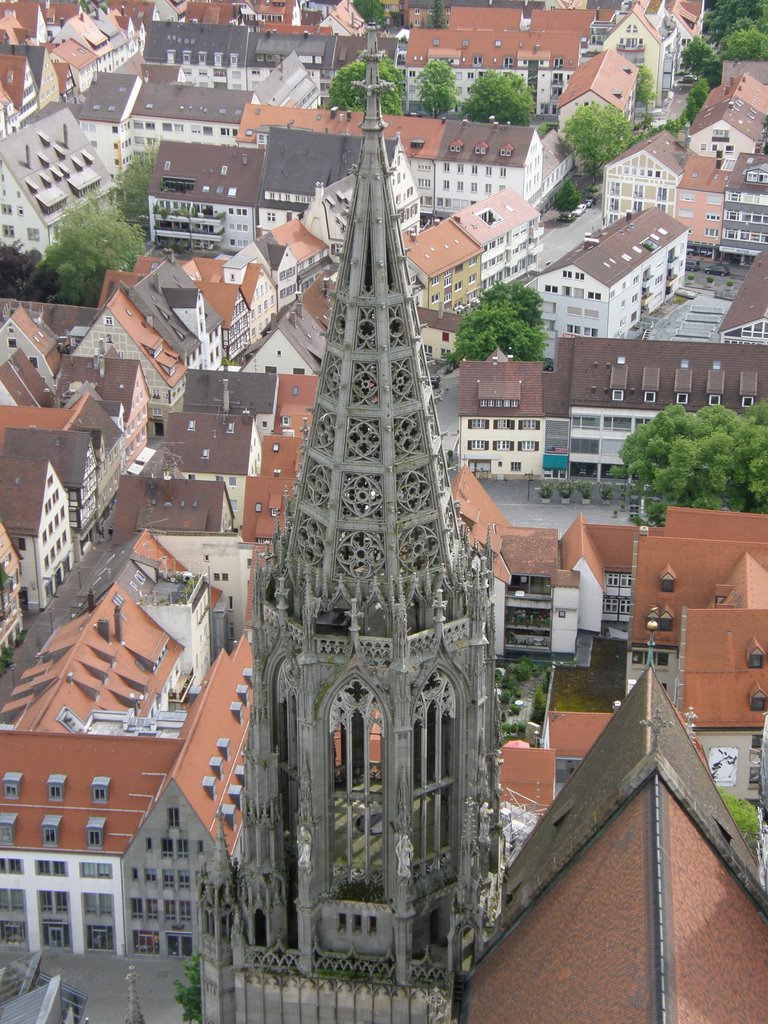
(370, 844)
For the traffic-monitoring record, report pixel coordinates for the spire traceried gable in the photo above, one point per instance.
(373, 500)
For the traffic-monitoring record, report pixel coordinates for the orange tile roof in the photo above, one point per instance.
(152, 345)
(440, 247)
(715, 525)
(280, 456)
(717, 681)
(425, 44)
(605, 548)
(263, 495)
(418, 135)
(214, 719)
(295, 399)
(30, 418)
(529, 773)
(295, 236)
(83, 671)
(702, 174)
(148, 548)
(572, 733)
(608, 76)
(136, 766)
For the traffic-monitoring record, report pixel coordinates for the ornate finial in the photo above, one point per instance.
(690, 717)
(220, 864)
(655, 723)
(651, 624)
(372, 86)
(135, 1016)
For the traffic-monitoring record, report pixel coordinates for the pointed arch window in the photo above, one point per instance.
(433, 769)
(356, 728)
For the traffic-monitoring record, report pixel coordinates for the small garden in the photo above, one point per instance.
(509, 680)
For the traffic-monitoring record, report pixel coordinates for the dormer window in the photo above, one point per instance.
(100, 789)
(56, 787)
(7, 829)
(757, 700)
(681, 398)
(11, 785)
(94, 833)
(667, 582)
(50, 829)
(755, 659)
(617, 395)
(505, 151)
(649, 396)
(715, 399)
(665, 620)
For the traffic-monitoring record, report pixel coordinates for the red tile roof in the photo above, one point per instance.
(572, 733)
(528, 773)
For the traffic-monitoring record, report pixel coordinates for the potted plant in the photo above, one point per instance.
(545, 491)
(585, 490)
(606, 493)
(565, 490)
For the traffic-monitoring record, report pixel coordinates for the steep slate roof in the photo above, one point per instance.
(296, 161)
(188, 506)
(163, 36)
(115, 381)
(664, 147)
(210, 442)
(215, 172)
(23, 382)
(606, 261)
(302, 332)
(486, 143)
(483, 379)
(22, 487)
(217, 106)
(750, 302)
(740, 102)
(105, 673)
(633, 866)
(255, 392)
(66, 450)
(606, 75)
(583, 368)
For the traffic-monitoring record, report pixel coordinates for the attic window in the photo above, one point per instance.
(757, 700)
(667, 582)
(206, 453)
(11, 785)
(215, 765)
(665, 620)
(222, 745)
(94, 833)
(100, 789)
(191, 425)
(56, 787)
(231, 428)
(258, 506)
(755, 658)
(505, 151)
(209, 785)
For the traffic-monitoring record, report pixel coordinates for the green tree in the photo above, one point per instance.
(23, 276)
(745, 44)
(645, 90)
(346, 96)
(714, 458)
(187, 992)
(567, 198)
(539, 705)
(696, 99)
(508, 317)
(372, 11)
(597, 134)
(92, 237)
(701, 60)
(744, 815)
(131, 187)
(436, 17)
(725, 15)
(505, 97)
(437, 87)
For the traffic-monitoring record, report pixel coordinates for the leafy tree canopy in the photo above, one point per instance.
(505, 97)
(701, 60)
(344, 95)
(724, 15)
(597, 134)
(372, 11)
(131, 186)
(508, 317)
(437, 17)
(437, 87)
(567, 197)
(22, 276)
(696, 98)
(187, 992)
(645, 88)
(92, 238)
(746, 44)
(714, 458)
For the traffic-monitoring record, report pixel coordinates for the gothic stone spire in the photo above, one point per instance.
(373, 501)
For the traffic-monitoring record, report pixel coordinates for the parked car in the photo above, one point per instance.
(590, 201)
(691, 265)
(434, 380)
(716, 269)
(581, 208)
(567, 217)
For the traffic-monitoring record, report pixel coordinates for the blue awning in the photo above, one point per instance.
(555, 462)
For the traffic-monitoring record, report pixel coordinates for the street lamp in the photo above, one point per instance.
(651, 624)
(530, 477)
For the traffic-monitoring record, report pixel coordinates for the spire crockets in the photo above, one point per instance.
(373, 502)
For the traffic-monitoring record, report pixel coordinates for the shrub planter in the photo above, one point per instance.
(565, 490)
(545, 492)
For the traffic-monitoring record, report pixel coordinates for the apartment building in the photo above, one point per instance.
(601, 288)
(745, 212)
(509, 230)
(446, 261)
(731, 121)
